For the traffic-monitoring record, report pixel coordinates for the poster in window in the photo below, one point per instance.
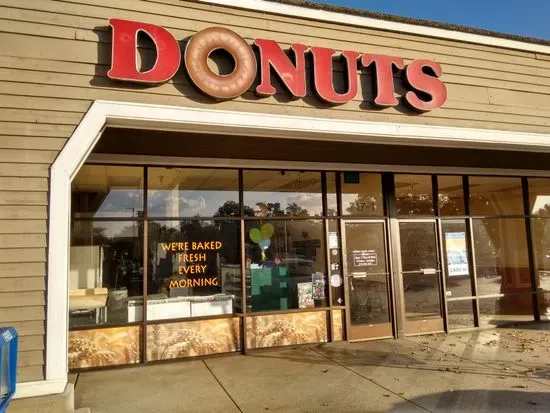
(457, 254)
(305, 295)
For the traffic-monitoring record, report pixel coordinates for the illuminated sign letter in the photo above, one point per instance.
(292, 76)
(383, 73)
(430, 93)
(322, 75)
(124, 60)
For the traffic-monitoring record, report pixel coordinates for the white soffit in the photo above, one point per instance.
(363, 21)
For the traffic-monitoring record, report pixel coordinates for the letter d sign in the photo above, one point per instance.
(124, 60)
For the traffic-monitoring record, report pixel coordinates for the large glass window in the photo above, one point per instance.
(194, 269)
(362, 194)
(505, 310)
(414, 194)
(502, 260)
(105, 191)
(285, 264)
(450, 195)
(187, 192)
(495, 196)
(106, 271)
(539, 202)
(106, 253)
(460, 314)
(282, 193)
(332, 194)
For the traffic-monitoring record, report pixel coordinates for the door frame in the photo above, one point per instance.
(400, 294)
(389, 278)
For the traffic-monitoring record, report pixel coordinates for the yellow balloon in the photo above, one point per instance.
(255, 235)
(267, 231)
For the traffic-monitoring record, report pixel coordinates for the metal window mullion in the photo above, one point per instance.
(435, 196)
(145, 262)
(338, 178)
(242, 243)
(473, 267)
(533, 267)
(441, 274)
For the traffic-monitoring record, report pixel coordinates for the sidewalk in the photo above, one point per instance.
(504, 370)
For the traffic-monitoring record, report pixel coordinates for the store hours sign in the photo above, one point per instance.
(424, 89)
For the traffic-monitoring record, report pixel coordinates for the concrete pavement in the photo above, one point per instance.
(504, 370)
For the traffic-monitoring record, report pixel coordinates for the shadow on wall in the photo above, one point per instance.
(220, 63)
(481, 401)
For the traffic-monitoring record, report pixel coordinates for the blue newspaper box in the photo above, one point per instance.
(8, 365)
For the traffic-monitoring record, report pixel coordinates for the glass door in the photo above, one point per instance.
(367, 280)
(421, 276)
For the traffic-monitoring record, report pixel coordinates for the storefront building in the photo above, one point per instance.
(186, 178)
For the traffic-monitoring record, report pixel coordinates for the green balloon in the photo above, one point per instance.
(267, 231)
(255, 235)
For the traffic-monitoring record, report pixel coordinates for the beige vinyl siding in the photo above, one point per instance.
(54, 56)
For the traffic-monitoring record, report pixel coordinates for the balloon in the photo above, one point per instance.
(265, 244)
(255, 235)
(267, 231)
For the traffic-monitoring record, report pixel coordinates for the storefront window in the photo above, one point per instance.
(495, 196)
(502, 261)
(505, 310)
(106, 191)
(106, 271)
(539, 196)
(541, 245)
(450, 195)
(332, 198)
(282, 193)
(414, 194)
(460, 314)
(285, 265)
(362, 194)
(187, 192)
(194, 269)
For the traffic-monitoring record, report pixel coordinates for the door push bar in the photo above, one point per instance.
(364, 274)
(425, 271)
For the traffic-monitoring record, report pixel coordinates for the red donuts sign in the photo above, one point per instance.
(425, 91)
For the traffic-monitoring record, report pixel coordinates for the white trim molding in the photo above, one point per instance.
(364, 21)
(184, 119)
(118, 159)
(39, 388)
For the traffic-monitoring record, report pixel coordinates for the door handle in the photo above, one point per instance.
(422, 271)
(357, 275)
(365, 274)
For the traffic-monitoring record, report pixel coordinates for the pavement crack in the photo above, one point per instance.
(223, 387)
(372, 381)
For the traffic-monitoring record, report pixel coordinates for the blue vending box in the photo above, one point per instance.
(8, 365)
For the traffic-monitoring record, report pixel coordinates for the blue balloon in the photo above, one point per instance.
(265, 244)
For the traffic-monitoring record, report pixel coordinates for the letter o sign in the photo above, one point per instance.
(220, 87)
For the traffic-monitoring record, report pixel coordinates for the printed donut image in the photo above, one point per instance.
(220, 87)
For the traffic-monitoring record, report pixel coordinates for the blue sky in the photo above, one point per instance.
(522, 17)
